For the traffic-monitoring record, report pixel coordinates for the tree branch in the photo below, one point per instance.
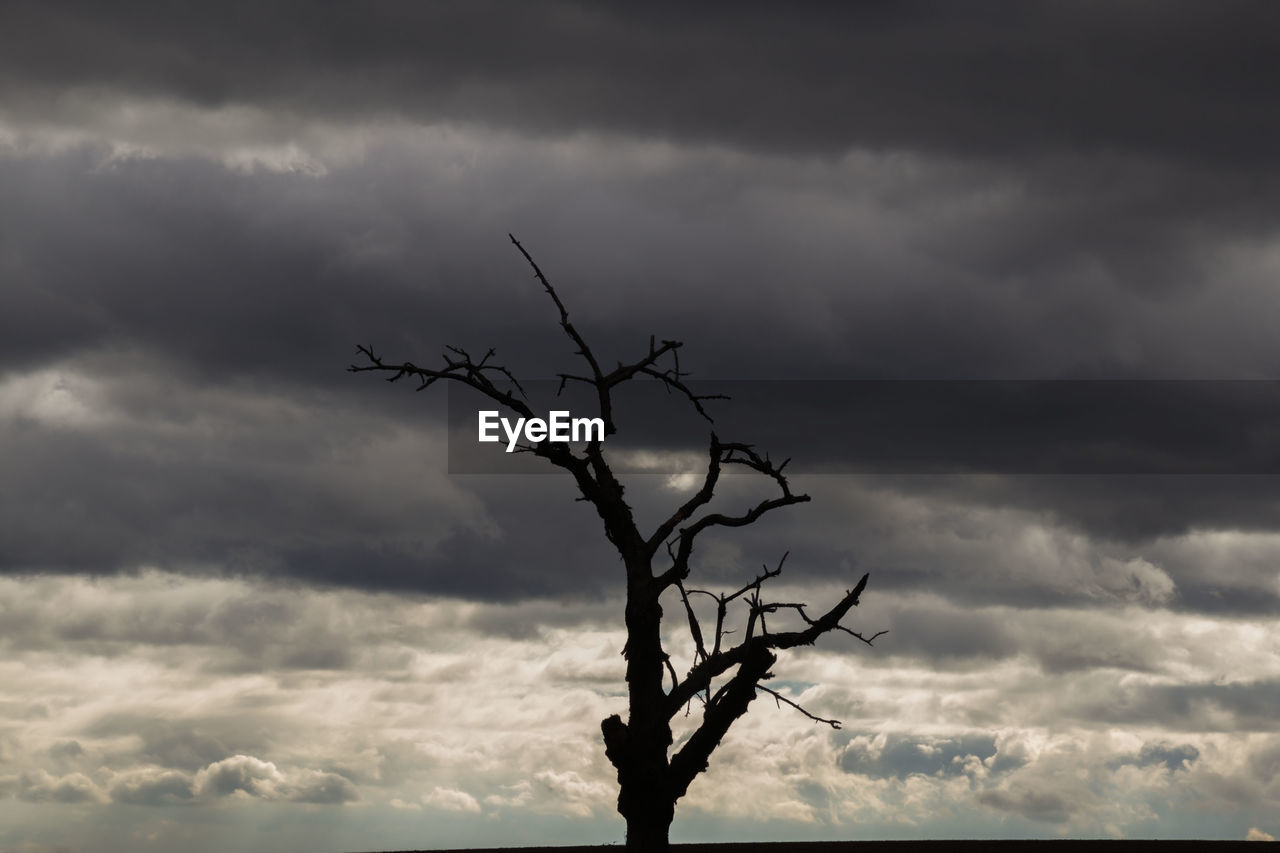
(728, 454)
(695, 630)
(700, 498)
(583, 349)
(604, 383)
(458, 368)
(729, 703)
(779, 698)
(719, 662)
(593, 475)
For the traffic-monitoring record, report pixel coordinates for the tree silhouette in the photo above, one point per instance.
(651, 782)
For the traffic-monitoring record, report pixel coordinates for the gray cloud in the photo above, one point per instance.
(152, 788)
(1173, 758)
(263, 302)
(1039, 805)
(904, 755)
(234, 576)
(185, 744)
(231, 479)
(259, 778)
(920, 75)
(1243, 706)
(38, 786)
(68, 749)
(322, 789)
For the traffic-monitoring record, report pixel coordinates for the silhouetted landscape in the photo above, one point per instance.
(1000, 846)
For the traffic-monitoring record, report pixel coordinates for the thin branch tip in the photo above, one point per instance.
(778, 699)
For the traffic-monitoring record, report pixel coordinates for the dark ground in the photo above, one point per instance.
(1064, 846)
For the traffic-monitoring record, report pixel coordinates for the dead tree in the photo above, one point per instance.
(725, 679)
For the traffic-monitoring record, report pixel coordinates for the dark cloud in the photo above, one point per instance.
(207, 207)
(524, 619)
(1099, 428)
(1127, 508)
(944, 635)
(1243, 706)
(247, 286)
(1117, 539)
(953, 636)
(216, 273)
(182, 744)
(1184, 80)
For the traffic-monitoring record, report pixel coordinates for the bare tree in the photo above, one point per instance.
(651, 782)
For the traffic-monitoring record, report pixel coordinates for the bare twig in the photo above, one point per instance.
(604, 383)
(779, 698)
(721, 454)
(701, 675)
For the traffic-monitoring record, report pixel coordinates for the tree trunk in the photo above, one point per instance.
(648, 832)
(645, 798)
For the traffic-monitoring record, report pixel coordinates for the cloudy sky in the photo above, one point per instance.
(244, 604)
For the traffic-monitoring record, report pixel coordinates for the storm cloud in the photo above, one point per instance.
(239, 584)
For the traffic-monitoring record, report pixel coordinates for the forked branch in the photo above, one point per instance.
(459, 366)
(680, 548)
(604, 383)
(716, 663)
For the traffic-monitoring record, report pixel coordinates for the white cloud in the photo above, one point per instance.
(451, 800)
(440, 706)
(397, 803)
(239, 773)
(257, 778)
(574, 794)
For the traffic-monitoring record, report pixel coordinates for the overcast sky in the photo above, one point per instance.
(245, 605)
